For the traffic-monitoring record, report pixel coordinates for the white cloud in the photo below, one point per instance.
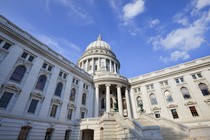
(174, 56)
(202, 3)
(154, 22)
(131, 10)
(184, 38)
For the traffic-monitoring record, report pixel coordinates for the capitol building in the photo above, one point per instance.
(44, 96)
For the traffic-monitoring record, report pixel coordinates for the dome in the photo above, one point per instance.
(99, 43)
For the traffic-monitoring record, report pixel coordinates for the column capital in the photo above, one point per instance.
(119, 86)
(96, 86)
(107, 85)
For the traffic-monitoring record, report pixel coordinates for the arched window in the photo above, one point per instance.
(83, 99)
(41, 82)
(102, 103)
(139, 101)
(185, 92)
(72, 95)
(168, 96)
(58, 89)
(204, 89)
(18, 73)
(153, 99)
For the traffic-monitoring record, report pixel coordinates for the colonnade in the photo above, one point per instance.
(119, 98)
(95, 64)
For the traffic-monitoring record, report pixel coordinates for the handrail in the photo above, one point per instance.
(169, 122)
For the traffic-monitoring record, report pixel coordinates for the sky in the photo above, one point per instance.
(145, 35)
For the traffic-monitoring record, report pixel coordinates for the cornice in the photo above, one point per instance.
(167, 73)
(28, 40)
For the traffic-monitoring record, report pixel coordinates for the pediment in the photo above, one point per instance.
(156, 108)
(83, 109)
(172, 106)
(71, 105)
(57, 100)
(190, 103)
(12, 87)
(38, 95)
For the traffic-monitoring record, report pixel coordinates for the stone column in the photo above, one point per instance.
(96, 100)
(93, 65)
(119, 98)
(110, 65)
(128, 103)
(114, 67)
(108, 98)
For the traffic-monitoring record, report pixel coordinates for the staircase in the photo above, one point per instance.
(169, 130)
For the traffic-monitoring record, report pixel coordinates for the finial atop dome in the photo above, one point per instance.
(99, 37)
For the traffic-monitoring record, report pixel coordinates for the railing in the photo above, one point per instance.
(168, 122)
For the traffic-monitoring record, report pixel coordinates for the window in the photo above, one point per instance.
(18, 73)
(24, 133)
(6, 46)
(41, 82)
(5, 99)
(53, 110)
(135, 90)
(139, 101)
(185, 92)
(179, 80)
(27, 56)
(82, 115)
(157, 114)
(0, 40)
(72, 95)
(204, 89)
(58, 89)
(24, 55)
(168, 96)
(70, 111)
(174, 113)
(193, 111)
(33, 105)
(153, 99)
(47, 67)
(62, 74)
(83, 99)
(31, 58)
(102, 103)
(67, 135)
(196, 76)
(164, 83)
(48, 134)
(150, 87)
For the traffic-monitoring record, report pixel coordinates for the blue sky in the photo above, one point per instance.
(146, 35)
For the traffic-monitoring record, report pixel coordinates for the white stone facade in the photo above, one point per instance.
(45, 96)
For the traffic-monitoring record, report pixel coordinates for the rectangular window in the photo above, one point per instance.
(73, 80)
(60, 74)
(44, 66)
(157, 115)
(24, 55)
(53, 110)
(49, 68)
(48, 134)
(1, 41)
(67, 135)
(24, 133)
(179, 80)
(5, 99)
(199, 75)
(33, 105)
(194, 77)
(182, 79)
(82, 115)
(64, 76)
(6, 46)
(193, 111)
(174, 113)
(31, 58)
(77, 82)
(70, 111)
